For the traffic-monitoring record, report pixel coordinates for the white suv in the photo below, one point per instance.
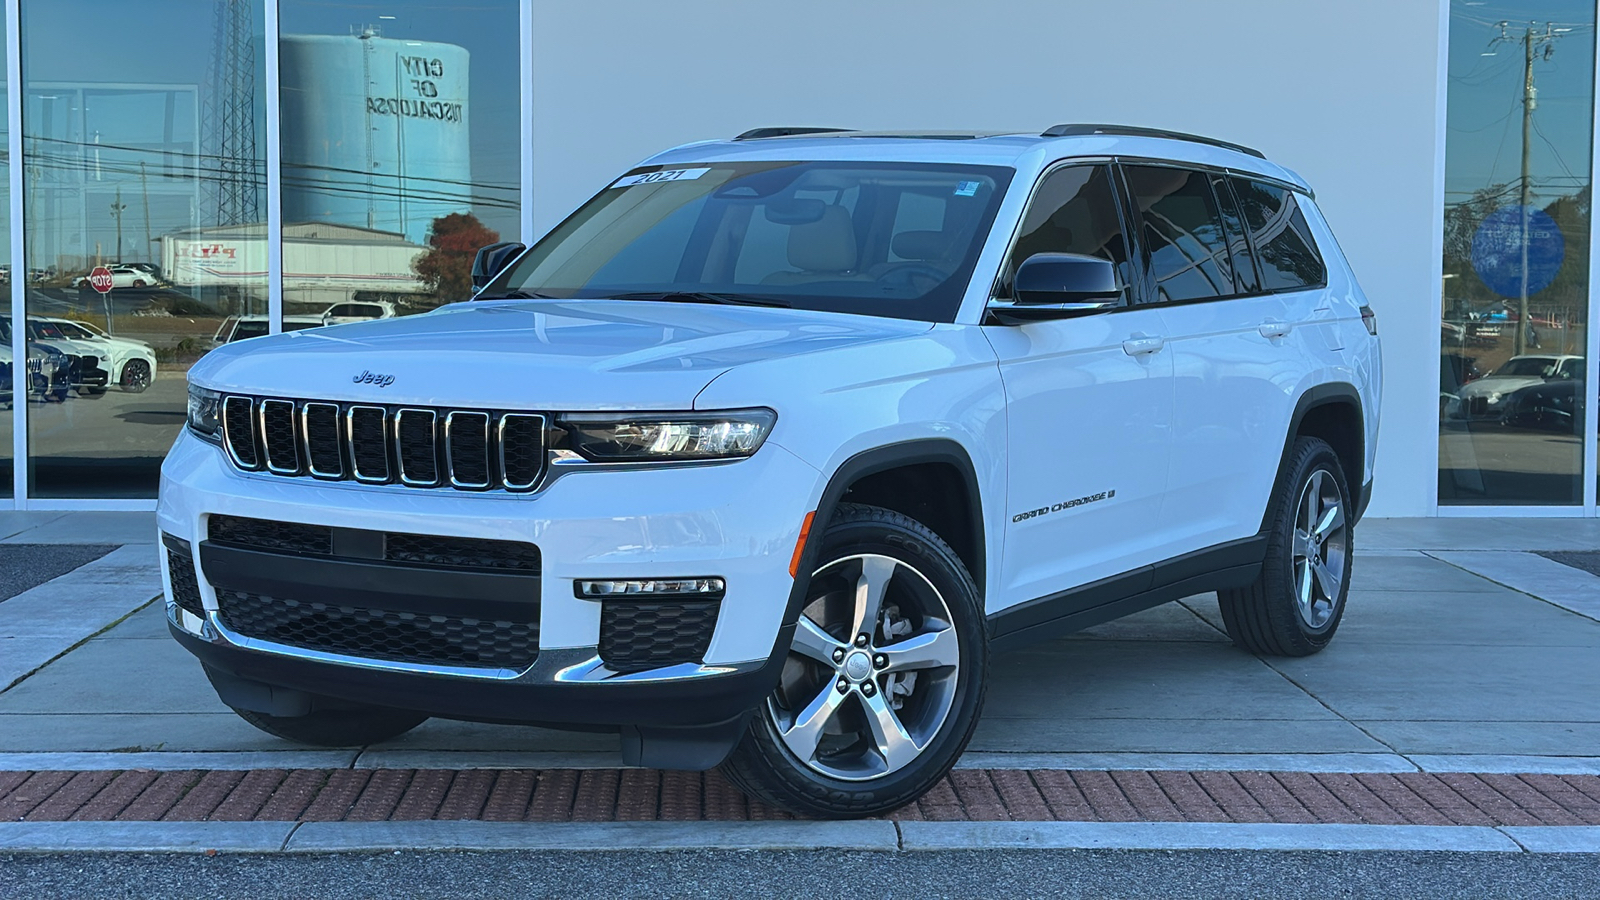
(760, 454)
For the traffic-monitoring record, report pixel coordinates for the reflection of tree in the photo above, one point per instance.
(1281, 235)
(1465, 291)
(453, 241)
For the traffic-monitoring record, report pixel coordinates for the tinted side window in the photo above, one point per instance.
(1182, 232)
(1244, 267)
(1074, 210)
(1284, 247)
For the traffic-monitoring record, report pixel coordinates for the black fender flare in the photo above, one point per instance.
(1334, 393)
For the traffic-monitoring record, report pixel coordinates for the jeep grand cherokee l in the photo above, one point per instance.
(758, 456)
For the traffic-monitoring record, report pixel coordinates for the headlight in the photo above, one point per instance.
(205, 410)
(666, 437)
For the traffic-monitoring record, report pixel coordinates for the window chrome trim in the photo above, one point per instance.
(228, 439)
(400, 452)
(542, 425)
(305, 440)
(383, 432)
(449, 452)
(266, 445)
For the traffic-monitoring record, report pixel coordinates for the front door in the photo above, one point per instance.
(1089, 409)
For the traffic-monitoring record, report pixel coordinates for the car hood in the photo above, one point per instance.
(546, 355)
(1498, 384)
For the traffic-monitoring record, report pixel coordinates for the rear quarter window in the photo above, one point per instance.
(1285, 250)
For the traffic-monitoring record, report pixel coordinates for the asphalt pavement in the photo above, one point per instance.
(993, 873)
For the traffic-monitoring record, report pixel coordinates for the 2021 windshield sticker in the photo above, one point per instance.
(1066, 504)
(660, 177)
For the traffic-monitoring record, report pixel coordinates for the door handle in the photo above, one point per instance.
(1143, 344)
(1272, 328)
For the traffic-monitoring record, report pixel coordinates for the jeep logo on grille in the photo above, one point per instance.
(373, 378)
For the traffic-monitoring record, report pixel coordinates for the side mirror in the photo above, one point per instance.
(492, 260)
(1058, 286)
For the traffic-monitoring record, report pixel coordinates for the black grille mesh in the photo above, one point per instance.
(469, 448)
(369, 446)
(522, 447)
(382, 634)
(185, 586)
(241, 431)
(460, 553)
(269, 535)
(277, 434)
(638, 635)
(418, 450)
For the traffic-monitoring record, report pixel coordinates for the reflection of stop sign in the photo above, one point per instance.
(100, 279)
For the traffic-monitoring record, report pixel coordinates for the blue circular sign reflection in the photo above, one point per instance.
(1497, 250)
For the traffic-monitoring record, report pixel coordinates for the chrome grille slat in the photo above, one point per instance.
(416, 436)
(409, 446)
(466, 449)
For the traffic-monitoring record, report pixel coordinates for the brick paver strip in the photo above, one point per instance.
(566, 795)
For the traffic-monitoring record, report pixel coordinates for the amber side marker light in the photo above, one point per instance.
(800, 545)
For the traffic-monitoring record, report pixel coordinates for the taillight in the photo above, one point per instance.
(1369, 319)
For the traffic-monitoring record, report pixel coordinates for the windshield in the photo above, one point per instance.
(1525, 366)
(886, 239)
(45, 330)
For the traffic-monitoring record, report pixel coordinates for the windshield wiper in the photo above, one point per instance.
(517, 294)
(703, 297)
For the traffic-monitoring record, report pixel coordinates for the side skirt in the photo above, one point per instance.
(1230, 565)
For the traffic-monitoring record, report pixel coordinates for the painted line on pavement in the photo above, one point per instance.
(869, 835)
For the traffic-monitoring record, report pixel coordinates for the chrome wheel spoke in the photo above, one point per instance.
(1302, 544)
(805, 732)
(1304, 587)
(1326, 580)
(876, 572)
(894, 742)
(929, 650)
(812, 642)
(1332, 519)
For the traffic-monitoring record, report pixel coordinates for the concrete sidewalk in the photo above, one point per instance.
(1436, 667)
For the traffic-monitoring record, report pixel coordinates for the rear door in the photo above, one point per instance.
(1089, 407)
(1242, 340)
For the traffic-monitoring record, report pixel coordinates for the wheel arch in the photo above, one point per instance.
(1333, 413)
(877, 471)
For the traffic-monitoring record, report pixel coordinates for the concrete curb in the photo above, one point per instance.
(1192, 762)
(167, 761)
(1199, 836)
(867, 835)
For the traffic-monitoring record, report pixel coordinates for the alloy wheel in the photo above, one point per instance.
(1321, 549)
(136, 375)
(872, 675)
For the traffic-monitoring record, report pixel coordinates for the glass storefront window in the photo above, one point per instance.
(1513, 400)
(144, 173)
(401, 153)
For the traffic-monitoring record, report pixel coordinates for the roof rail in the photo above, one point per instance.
(786, 131)
(1071, 130)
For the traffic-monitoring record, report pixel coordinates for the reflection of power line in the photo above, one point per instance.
(1559, 161)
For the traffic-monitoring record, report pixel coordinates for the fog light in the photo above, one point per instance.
(677, 587)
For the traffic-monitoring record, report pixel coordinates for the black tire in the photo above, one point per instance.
(765, 767)
(135, 376)
(336, 727)
(1267, 617)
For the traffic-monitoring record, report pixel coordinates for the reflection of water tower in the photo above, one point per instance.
(374, 131)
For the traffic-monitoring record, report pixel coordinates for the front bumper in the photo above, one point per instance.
(645, 523)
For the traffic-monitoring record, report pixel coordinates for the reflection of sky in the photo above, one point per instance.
(168, 43)
(1484, 140)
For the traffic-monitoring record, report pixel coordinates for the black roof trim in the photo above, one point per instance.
(1073, 130)
(786, 131)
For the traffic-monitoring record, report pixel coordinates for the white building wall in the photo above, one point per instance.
(1347, 94)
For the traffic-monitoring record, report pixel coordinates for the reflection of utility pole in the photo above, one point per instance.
(144, 183)
(117, 206)
(1530, 40)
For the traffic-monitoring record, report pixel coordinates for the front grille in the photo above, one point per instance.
(636, 635)
(180, 571)
(422, 550)
(271, 536)
(472, 450)
(382, 634)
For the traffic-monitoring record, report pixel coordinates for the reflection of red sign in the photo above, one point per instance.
(100, 279)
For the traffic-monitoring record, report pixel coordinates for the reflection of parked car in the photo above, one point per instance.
(132, 365)
(238, 328)
(365, 311)
(1455, 371)
(49, 371)
(1551, 406)
(123, 275)
(1484, 397)
(88, 364)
